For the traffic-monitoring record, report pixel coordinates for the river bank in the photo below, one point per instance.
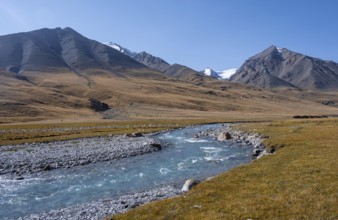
(17, 160)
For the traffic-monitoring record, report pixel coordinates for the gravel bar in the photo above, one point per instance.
(16, 160)
(106, 207)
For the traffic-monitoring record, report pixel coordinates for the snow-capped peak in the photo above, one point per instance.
(226, 74)
(121, 49)
(279, 49)
(211, 73)
(221, 75)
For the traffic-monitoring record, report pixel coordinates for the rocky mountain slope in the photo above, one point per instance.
(145, 58)
(152, 61)
(280, 67)
(58, 48)
(161, 65)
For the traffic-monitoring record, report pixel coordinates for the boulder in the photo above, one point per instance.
(156, 146)
(224, 136)
(189, 184)
(257, 152)
(137, 134)
(47, 167)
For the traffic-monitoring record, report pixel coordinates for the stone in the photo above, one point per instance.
(224, 136)
(156, 146)
(47, 167)
(136, 134)
(19, 178)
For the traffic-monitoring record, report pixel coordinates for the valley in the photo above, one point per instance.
(118, 129)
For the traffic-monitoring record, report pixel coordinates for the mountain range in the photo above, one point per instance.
(162, 66)
(58, 73)
(272, 68)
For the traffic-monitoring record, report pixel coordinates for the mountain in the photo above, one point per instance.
(211, 73)
(221, 75)
(152, 61)
(280, 67)
(58, 48)
(145, 58)
(178, 71)
(226, 74)
(186, 74)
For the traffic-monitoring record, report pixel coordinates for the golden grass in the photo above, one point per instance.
(61, 94)
(300, 181)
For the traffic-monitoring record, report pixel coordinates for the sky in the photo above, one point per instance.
(220, 34)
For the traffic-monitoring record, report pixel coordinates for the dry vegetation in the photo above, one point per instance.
(138, 94)
(298, 182)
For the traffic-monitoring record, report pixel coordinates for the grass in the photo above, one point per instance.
(300, 181)
(25, 133)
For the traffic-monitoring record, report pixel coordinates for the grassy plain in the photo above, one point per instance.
(299, 181)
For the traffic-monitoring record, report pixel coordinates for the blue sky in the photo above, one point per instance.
(220, 34)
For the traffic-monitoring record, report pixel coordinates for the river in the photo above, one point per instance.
(188, 157)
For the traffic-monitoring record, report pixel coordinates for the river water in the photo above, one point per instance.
(187, 158)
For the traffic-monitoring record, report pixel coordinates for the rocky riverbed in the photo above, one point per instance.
(228, 133)
(106, 207)
(17, 160)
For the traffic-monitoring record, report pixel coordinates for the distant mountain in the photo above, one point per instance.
(226, 74)
(186, 74)
(181, 72)
(145, 58)
(152, 61)
(280, 67)
(211, 73)
(221, 75)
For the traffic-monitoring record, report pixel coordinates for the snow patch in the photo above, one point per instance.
(121, 49)
(221, 75)
(226, 74)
